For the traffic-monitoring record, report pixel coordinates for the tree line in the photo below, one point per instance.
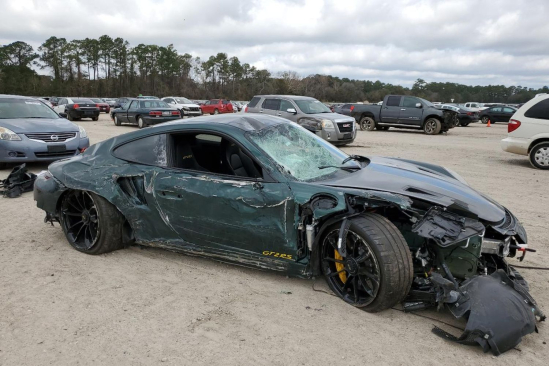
(107, 67)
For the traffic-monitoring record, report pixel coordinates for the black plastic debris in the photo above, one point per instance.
(18, 182)
(499, 312)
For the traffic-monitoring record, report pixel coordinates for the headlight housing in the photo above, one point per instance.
(8, 135)
(83, 133)
(326, 123)
(185, 108)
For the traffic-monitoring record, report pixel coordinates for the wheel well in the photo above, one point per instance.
(432, 116)
(128, 234)
(535, 142)
(367, 114)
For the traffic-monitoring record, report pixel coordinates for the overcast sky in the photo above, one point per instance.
(475, 42)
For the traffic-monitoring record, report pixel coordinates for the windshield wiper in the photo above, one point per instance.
(354, 157)
(348, 168)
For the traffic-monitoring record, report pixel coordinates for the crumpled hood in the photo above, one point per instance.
(28, 125)
(423, 181)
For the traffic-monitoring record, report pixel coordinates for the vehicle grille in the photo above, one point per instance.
(47, 137)
(345, 126)
(59, 154)
(194, 109)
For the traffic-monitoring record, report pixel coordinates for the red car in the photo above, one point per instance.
(103, 107)
(216, 106)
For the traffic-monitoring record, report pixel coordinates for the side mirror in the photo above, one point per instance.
(418, 105)
(291, 110)
(63, 115)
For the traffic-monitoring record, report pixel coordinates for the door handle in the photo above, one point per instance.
(257, 185)
(402, 109)
(279, 114)
(260, 111)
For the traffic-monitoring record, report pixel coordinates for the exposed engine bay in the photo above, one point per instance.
(459, 263)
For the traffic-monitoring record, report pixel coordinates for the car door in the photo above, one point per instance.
(122, 115)
(507, 113)
(390, 111)
(60, 107)
(228, 213)
(270, 106)
(495, 114)
(410, 114)
(133, 110)
(286, 105)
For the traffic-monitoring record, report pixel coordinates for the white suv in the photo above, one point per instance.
(528, 132)
(187, 108)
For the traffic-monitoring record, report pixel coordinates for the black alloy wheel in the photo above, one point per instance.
(356, 278)
(80, 220)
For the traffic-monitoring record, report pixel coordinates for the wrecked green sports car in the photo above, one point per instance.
(264, 192)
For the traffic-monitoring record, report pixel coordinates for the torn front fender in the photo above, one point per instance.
(446, 228)
(499, 313)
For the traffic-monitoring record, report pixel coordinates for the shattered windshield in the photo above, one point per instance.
(299, 152)
(312, 106)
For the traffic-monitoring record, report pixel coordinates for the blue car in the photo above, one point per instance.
(30, 131)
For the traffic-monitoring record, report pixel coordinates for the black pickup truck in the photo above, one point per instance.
(403, 111)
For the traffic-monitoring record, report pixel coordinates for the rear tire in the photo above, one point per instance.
(69, 117)
(367, 124)
(539, 156)
(216, 111)
(140, 122)
(432, 126)
(91, 224)
(378, 259)
(95, 118)
(3, 166)
(464, 124)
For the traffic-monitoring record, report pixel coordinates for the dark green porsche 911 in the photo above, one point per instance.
(263, 192)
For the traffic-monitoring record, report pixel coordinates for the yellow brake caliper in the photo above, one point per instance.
(340, 267)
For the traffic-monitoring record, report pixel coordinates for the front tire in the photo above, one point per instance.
(377, 272)
(367, 124)
(91, 224)
(116, 121)
(539, 156)
(432, 126)
(485, 119)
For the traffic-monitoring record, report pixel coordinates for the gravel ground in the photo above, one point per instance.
(150, 306)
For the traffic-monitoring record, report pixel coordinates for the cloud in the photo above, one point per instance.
(469, 41)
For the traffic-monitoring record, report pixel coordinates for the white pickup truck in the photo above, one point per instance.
(474, 106)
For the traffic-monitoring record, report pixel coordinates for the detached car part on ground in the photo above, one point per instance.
(263, 192)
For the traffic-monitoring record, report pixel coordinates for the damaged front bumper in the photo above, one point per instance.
(468, 273)
(499, 311)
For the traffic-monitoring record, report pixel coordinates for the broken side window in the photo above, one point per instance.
(150, 150)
